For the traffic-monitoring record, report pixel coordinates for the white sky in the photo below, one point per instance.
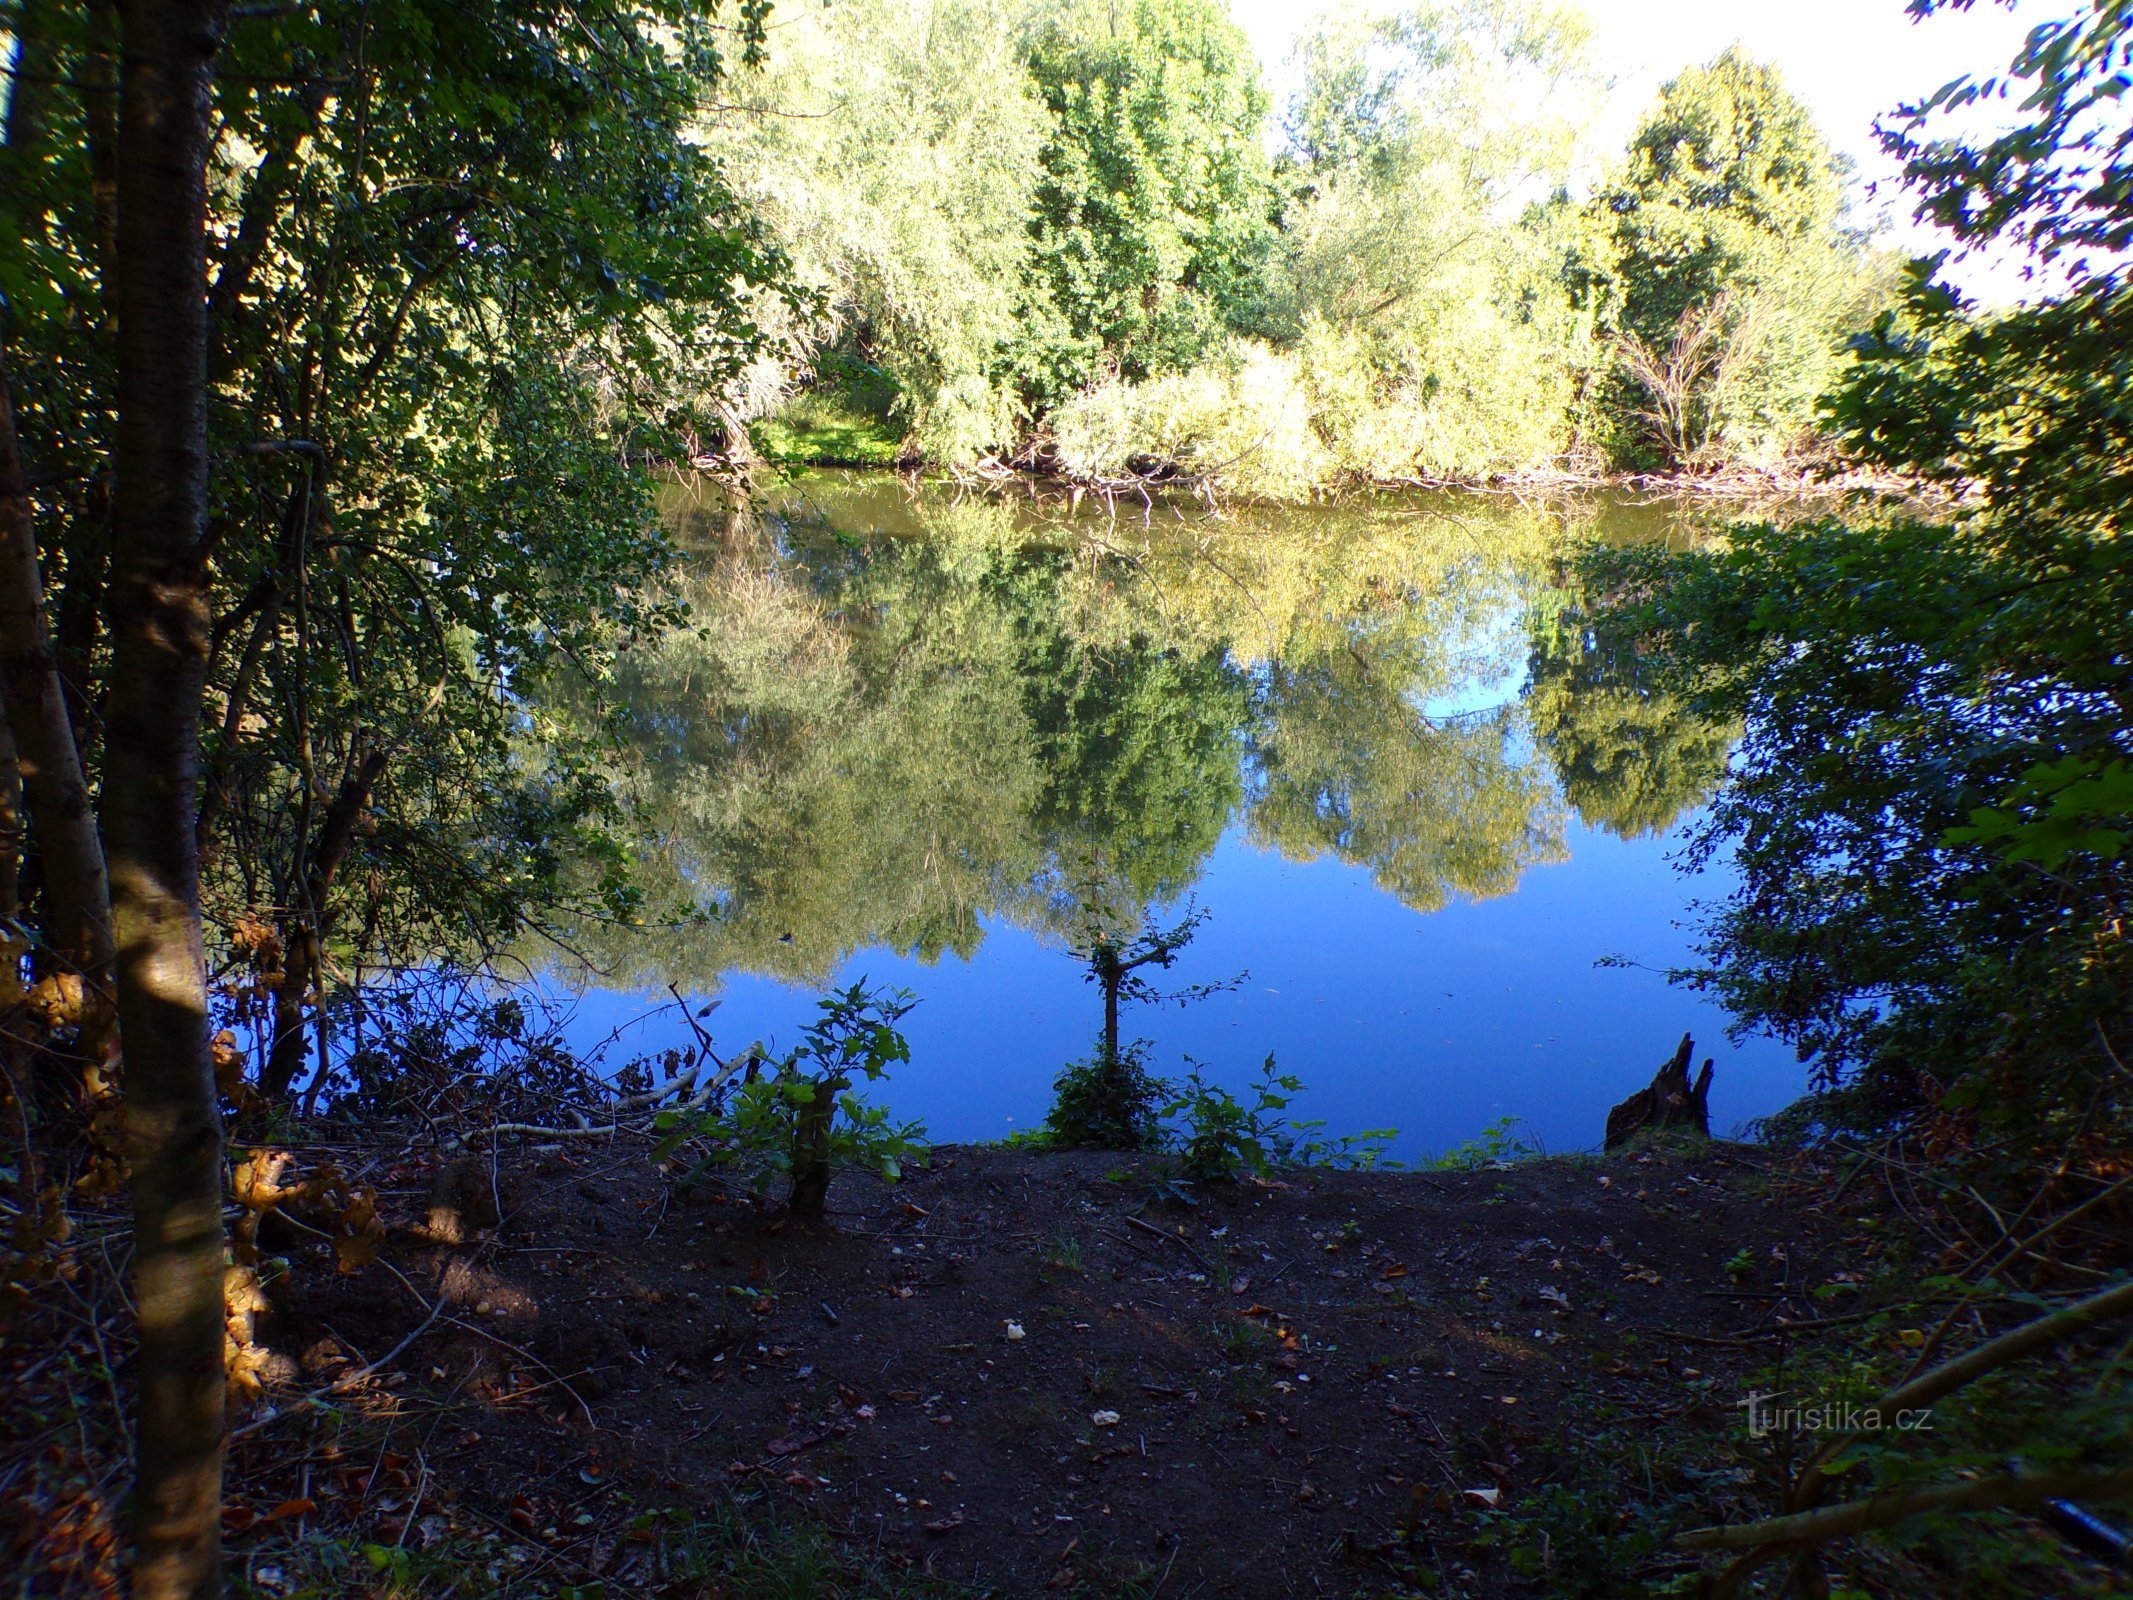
(1849, 60)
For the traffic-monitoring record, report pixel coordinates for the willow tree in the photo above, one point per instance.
(892, 148)
(1425, 252)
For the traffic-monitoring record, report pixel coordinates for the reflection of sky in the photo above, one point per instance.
(1436, 1024)
(1433, 1023)
(1492, 667)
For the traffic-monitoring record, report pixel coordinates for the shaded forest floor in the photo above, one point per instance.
(1336, 1383)
(1018, 1373)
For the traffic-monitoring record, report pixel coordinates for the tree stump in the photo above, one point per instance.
(1670, 1101)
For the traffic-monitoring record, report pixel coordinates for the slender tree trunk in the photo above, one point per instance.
(12, 835)
(158, 618)
(1110, 974)
(303, 964)
(77, 917)
(811, 1151)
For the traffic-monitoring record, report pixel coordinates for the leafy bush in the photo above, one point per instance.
(1242, 420)
(1222, 1138)
(1111, 1101)
(798, 1116)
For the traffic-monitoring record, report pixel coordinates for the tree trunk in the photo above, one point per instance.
(811, 1151)
(76, 916)
(1669, 1101)
(158, 621)
(303, 940)
(12, 835)
(1110, 975)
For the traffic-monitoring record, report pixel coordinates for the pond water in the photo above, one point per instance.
(937, 739)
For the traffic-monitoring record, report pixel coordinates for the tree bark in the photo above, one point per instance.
(303, 943)
(158, 617)
(811, 1151)
(1670, 1101)
(1110, 975)
(76, 915)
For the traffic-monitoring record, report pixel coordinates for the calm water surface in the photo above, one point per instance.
(933, 740)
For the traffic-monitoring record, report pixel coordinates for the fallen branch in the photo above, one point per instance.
(1886, 1510)
(1164, 1233)
(1920, 1392)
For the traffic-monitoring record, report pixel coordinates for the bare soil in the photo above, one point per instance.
(1032, 1372)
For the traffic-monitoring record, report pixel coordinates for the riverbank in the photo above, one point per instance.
(1733, 488)
(1022, 1372)
(564, 1374)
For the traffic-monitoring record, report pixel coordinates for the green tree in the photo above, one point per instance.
(1732, 282)
(1932, 796)
(870, 738)
(893, 148)
(1439, 337)
(324, 346)
(1155, 208)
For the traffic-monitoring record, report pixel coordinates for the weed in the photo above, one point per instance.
(1221, 1139)
(735, 1551)
(1495, 1146)
(799, 1117)
(1064, 1250)
(1242, 1339)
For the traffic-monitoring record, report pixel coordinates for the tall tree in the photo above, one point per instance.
(1424, 249)
(1155, 209)
(892, 146)
(326, 356)
(1733, 283)
(158, 622)
(1932, 797)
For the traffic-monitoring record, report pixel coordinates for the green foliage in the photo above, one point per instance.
(1931, 795)
(1110, 1101)
(842, 424)
(900, 711)
(1153, 213)
(1436, 324)
(1057, 231)
(1495, 1146)
(464, 265)
(797, 1116)
(1731, 285)
(893, 148)
(1726, 166)
(1435, 809)
(1220, 1139)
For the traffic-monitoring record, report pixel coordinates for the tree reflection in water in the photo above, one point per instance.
(899, 711)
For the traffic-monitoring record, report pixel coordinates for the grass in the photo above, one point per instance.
(844, 423)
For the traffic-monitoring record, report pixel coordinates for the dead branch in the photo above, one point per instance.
(1886, 1510)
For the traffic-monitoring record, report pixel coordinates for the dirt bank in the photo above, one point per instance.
(1029, 1372)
